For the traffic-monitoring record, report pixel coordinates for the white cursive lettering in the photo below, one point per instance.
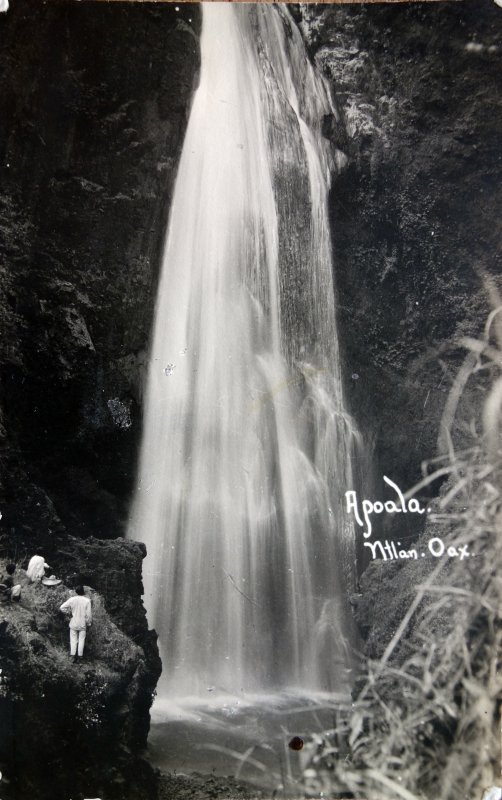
(362, 510)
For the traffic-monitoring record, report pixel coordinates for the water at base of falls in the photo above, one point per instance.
(246, 450)
(247, 737)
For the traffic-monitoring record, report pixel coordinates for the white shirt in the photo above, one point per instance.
(36, 568)
(81, 614)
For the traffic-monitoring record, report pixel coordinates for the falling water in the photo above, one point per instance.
(246, 445)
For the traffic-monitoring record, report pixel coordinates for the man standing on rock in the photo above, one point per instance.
(81, 618)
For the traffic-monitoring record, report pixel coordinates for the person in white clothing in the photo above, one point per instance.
(36, 568)
(79, 607)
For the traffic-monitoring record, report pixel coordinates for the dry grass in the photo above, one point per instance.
(425, 723)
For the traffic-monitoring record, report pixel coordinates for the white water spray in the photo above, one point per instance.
(246, 446)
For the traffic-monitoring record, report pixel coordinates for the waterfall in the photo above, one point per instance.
(246, 446)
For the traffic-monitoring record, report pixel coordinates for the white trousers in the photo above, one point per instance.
(77, 640)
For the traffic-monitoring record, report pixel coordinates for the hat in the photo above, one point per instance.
(52, 581)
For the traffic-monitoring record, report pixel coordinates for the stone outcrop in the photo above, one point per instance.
(88, 721)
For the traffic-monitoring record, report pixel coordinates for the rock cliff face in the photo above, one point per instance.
(94, 105)
(414, 215)
(70, 730)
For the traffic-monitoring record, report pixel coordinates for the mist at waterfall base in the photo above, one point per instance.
(247, 448)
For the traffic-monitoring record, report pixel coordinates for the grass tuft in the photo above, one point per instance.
(425, 722)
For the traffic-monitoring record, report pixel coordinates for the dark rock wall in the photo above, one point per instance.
(93, 108)
(94, 104)
(414, 215)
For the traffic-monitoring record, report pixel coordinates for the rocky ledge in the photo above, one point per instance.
(78, 730)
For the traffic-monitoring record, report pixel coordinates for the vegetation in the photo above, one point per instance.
(425, 722)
